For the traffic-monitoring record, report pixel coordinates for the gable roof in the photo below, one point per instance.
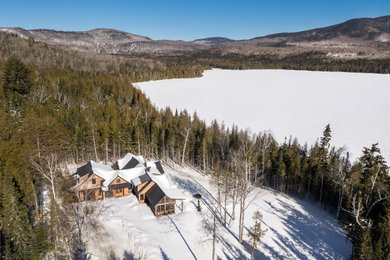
(163, 183)
(140, 179)
(127, 175)
(130, 161)
(93, 167)
(154, 195)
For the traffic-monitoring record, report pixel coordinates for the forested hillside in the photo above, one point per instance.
(143, 67)
(58, 107)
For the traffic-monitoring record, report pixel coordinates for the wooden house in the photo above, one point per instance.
(141, 185)
(147, 181)
(99, 181)
(153, 188)
(90, 179)
(118, 187)
(159, 202)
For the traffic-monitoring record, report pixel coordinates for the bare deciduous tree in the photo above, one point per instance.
(85, 223)
(49, 169)
(185, 133)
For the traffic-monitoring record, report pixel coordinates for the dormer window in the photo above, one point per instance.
(93, 181)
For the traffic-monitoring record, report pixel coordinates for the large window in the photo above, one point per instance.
(162, 207)
(93, 181)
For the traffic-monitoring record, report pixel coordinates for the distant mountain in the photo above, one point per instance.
(104, 41)
(361, 31)
(214, 41)
(367, 37)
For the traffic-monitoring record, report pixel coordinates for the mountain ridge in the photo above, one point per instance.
(357, 35)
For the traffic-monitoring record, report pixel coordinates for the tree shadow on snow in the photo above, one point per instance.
(306, 233)
(126, 256)
(164, 255)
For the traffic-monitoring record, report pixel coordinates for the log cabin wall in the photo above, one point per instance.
(142, 189)
(93, 182)
(89, 190)
(119, 187)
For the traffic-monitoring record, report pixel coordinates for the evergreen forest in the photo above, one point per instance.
(59, 107)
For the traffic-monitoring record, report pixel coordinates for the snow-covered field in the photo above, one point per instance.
(297, 103)
(296, 229)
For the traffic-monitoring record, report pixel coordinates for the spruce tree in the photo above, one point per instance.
(256, 233)
(16, 78)
(16, 227)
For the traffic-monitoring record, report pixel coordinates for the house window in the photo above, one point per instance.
(93, 181)
(118, 180)
(158, 208)
(162, 207)
(141, 197)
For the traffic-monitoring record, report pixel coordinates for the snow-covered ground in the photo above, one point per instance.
(296, 229)
(297, 103)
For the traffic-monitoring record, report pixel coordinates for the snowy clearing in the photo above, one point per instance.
(289, 103)
(296, 229)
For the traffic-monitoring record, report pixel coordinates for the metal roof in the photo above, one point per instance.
(154, 195)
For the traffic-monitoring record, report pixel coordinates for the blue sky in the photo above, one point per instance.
(187, 19)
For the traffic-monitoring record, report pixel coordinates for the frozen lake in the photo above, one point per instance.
(296, 103)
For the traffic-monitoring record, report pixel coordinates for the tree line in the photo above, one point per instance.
(83, 115)
(142, 67)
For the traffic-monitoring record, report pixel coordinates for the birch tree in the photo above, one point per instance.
(185, 133)
(49, 169)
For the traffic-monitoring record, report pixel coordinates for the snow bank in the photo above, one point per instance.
(296, 103)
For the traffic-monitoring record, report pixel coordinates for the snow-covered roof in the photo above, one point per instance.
(136, 174)
(130, 161)
(94, 167)
(130, 174)
(140, 179)
(162, 181)
(155, 164)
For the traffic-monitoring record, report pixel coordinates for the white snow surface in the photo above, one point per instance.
(289, 103)
(296, 229)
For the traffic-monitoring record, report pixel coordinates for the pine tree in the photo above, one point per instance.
(256, 233)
